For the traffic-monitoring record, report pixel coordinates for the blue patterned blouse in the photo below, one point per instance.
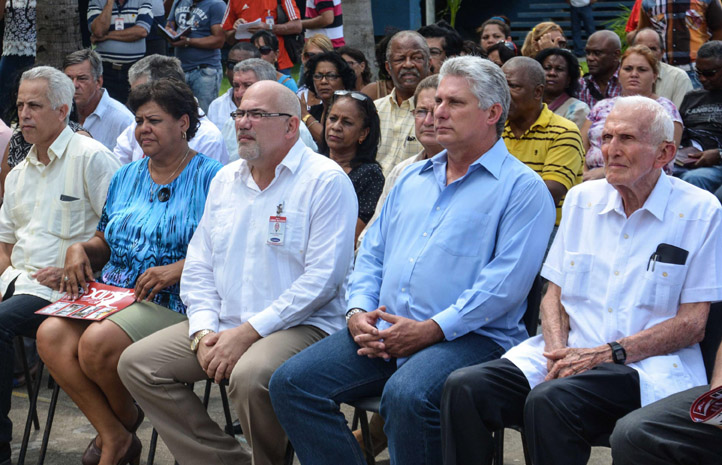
(142, 233)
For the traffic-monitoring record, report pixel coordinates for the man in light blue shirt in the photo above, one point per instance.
(440, 283)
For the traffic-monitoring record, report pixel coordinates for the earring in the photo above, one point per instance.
(183, 135)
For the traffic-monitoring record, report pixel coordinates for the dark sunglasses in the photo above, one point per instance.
(230, 64)
(708, 73)
(265, 49)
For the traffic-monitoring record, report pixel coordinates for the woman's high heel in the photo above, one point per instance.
(132, 454)
(91, 456)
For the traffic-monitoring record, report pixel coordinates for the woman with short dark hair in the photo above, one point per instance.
(561, 70)
(325, 73)
(152, 209)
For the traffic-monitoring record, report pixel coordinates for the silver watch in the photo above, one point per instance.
(352, 312)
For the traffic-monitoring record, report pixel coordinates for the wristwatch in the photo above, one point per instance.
(619, 355)
(352, 312)
(199, 335)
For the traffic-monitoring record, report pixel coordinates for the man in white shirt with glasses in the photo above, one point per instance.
(265, 277)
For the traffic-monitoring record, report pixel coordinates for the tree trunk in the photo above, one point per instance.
(58, 31)
(358, 28)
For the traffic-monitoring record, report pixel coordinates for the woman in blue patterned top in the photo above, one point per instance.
(152, 210)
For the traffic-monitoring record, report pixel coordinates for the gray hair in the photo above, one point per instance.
(661, 126)
(288, 101)
(264, 70)
(156, 67)
(486, 80)
(711, 49)
(418, 38)
(531, 69)
(86, 54)
(60, 87)
(429, 82)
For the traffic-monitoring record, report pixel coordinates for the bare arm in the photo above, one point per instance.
(678, 128)
(211, 42)
(555, 321)
(556, 189)
(291, 27)
(716, 380)
(100, 25)
(683, 330)
(2, 9)
(127, 35)
(4, 168)
(322, 20)
(585, 134)
(6, 251)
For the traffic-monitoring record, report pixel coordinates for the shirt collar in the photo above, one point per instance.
(409, 102)
(103, 104)
(656, 203)
(291, 161)
(492, 160)
(542, 120)
(56, 149)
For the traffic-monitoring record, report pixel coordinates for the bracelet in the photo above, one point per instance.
(188, 42)
(312, 123)
(305, 118)
(352, 312)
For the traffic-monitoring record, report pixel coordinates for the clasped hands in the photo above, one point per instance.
(568, 361)
(218, 353)
(403, 338)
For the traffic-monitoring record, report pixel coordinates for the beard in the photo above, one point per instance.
(249, 150)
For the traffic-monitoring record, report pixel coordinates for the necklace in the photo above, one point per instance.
(164, 193)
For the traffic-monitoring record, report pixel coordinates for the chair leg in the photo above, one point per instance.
(366, 435)
(20, 347)
(226, 409)
(527, 457)
(49, 423)
(152, 446)
(207, 393)
(289, 454)
(29, 421)
(498, 458)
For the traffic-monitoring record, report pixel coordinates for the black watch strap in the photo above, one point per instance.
(619, 355)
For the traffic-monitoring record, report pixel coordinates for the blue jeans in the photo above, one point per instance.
(17, 317)
(708, 178)
(579, 14)
(306, 392)
(206, 84)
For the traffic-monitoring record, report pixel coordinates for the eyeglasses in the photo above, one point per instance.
(350, 93)
(255, 115)
(422, 113)
(708, 73)
(328, 76)
(265, 49)
(230, 64)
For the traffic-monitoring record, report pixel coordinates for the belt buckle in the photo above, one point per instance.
(117, 66)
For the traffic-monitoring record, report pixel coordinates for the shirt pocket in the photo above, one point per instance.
(462, 233)
(294, 238)
(221, 230)
(67, 218)
(660, 289)
(577, 270)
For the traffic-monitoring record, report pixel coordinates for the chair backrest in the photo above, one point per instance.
(712, 337)
(533, 301)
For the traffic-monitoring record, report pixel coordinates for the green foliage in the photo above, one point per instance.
(618, 25)
(452, 8)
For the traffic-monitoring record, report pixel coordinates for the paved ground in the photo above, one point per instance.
(71, 433)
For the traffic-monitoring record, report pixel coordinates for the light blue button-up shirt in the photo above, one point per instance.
(464, 254)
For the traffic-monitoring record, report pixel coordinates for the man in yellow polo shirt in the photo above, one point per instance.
(547, 143)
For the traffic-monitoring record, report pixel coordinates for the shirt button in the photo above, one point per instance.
(616, 273)
(411, 260)
(626, 236)
(403, 289)
(438, 208)
(572, 263)
(424, 234)
(589, 204)
(681, 215)
(454, 334)
(664, 274)
(610, 310)
(674, 365)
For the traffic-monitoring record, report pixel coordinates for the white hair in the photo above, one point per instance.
(60, 88)
(661, 126)
(487, 82)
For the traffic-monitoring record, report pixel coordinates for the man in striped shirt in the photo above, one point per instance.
(119, 29)
(547, 143)
(325, 17)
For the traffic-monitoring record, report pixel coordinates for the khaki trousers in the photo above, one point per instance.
(156, 368)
